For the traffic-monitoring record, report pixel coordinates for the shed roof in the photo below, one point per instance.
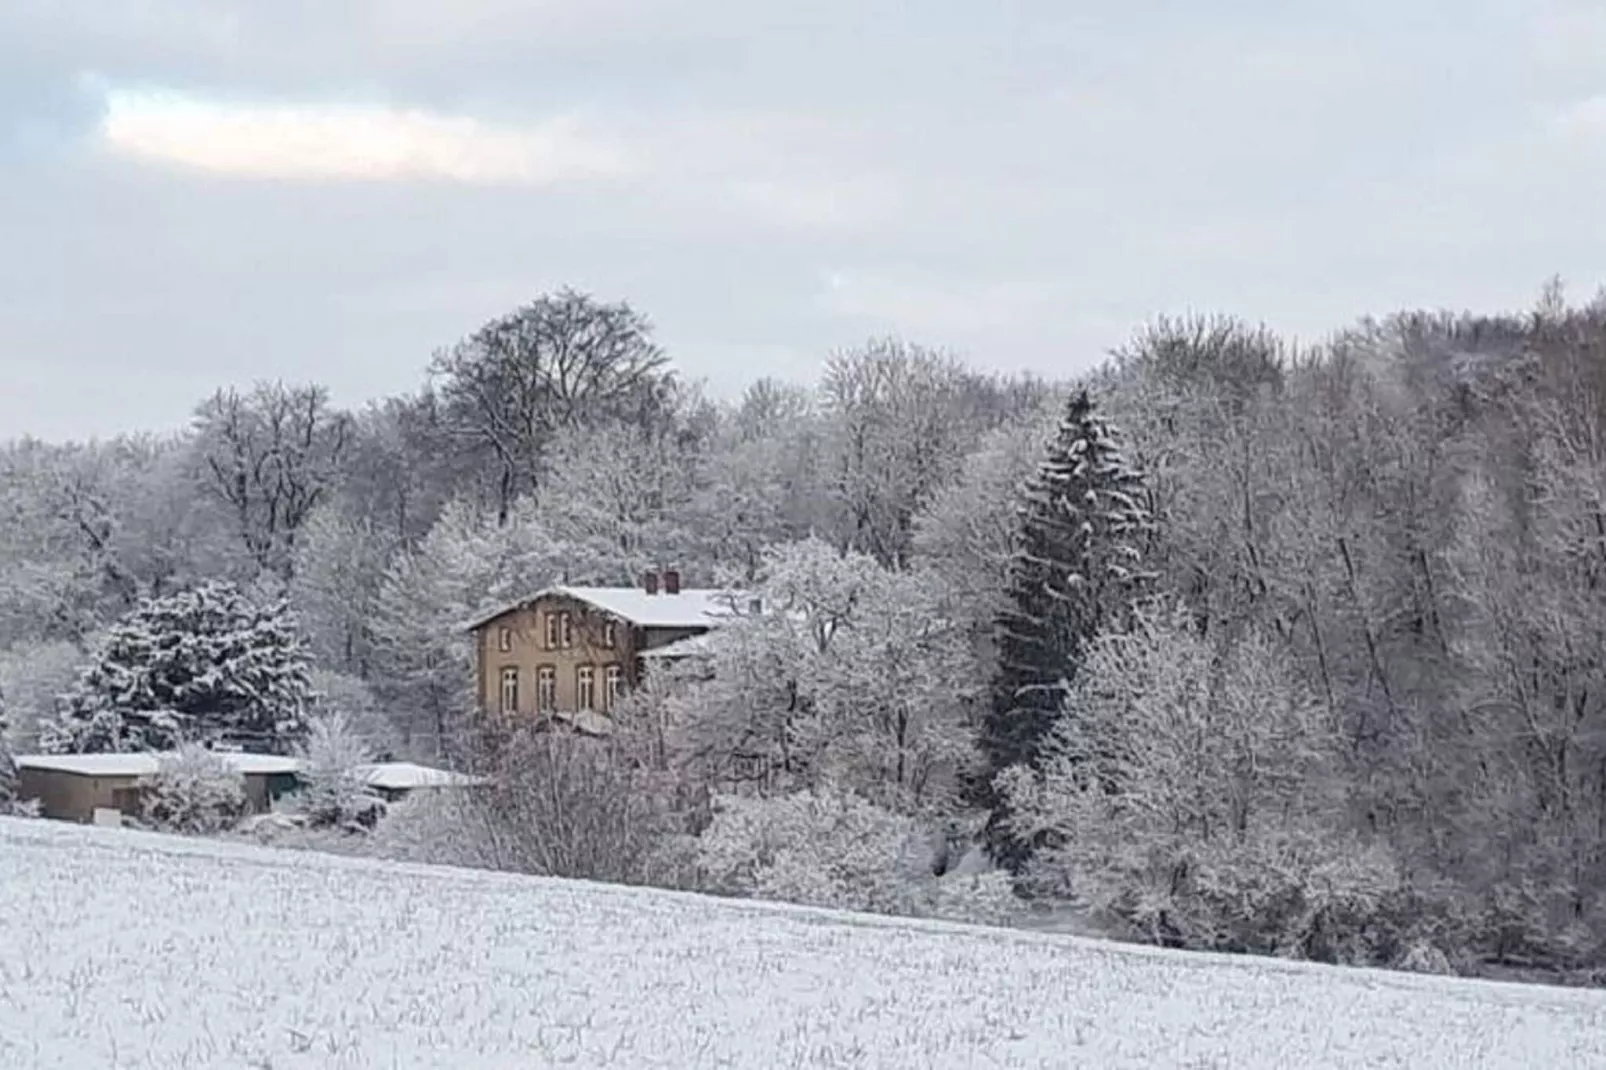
(408, 776)
(146, 763)
(695, 607)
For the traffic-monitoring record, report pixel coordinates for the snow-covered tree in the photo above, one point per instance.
(55, 571)
(423, 656)
(965, 538)
(333, 793)
(1076, 567)
(843, 670)
(616, 499)
(34, 676)
(465, 565)
(339, 566)
(194, 791)
(206, 664)
(336, 694)
(1193, 793)
(897, 429)
(742, 503)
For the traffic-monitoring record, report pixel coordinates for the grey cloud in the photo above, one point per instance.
(1025, 185)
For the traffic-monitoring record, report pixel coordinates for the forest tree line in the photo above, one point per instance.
(1330, 681)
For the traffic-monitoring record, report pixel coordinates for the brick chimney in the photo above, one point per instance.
(671, 581)
(649, 582)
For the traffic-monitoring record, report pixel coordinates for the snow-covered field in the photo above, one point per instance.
(122, 949)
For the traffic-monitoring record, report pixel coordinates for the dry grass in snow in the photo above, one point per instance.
(127, 950)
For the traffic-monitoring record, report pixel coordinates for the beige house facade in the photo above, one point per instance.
(571, 653)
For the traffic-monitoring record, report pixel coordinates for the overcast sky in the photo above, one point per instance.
(202, 192)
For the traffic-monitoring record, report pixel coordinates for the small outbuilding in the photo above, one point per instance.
(395, 780)
(73, 787)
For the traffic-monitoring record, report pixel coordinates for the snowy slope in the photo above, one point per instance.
(128, 950)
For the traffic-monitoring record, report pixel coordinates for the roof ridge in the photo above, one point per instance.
(595, 595)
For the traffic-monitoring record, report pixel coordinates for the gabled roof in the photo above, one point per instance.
(408, 776)
(146, 763)
(696, 607)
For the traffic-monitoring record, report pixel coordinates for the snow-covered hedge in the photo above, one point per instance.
(440, 828)
(830, 848)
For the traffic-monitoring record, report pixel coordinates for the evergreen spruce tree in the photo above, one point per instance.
(8, 768)
(1076, 569)
(204, 665)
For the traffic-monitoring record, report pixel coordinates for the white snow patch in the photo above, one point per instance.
(146, 763)
(142, 952)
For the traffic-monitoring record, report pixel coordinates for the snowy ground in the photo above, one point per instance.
(128, 950)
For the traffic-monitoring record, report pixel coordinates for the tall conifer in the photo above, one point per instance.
(1077, 567)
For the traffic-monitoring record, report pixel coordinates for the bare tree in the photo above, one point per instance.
(272, 456)
(563, 360)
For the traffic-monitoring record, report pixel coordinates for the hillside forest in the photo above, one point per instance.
(1225, 643)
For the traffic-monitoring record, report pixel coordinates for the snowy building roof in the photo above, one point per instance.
(689, 608)
(689, 647)
(408, 776)
(146, 763)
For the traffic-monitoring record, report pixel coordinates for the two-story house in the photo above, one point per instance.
(569, 652)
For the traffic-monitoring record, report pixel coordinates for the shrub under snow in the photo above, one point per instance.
(194, 791)
(438, 828)
(833, 849)
(333, 794)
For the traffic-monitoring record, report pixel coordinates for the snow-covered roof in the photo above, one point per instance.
(408, 776)
(146, 763)
(694, 607)
(689, 647)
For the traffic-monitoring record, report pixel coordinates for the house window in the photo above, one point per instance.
(613, 679)
(551, 631)
(566, 630)
(610, 633)
(585, 688)
(510, 690)
(504, 639)
(546, 688)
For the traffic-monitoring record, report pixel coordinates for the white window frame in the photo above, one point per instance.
(546, 688)
(566, 630)
(504, 639)
(610, 633)
(613, 683)
(585, 687)
(509, 690)
(551, 631)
